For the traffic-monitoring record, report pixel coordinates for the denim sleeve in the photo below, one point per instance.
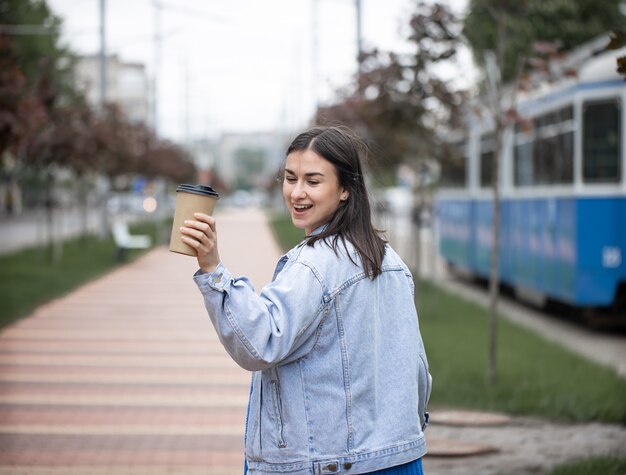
(262, 331)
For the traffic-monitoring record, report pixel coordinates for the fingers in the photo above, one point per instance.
(205, 218)
(204, 228)
(200, 233)
(191, 231)
(191, 242)
(204, 223)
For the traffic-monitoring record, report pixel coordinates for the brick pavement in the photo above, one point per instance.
(126, 375)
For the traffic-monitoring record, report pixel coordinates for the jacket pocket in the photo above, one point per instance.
(278, 411)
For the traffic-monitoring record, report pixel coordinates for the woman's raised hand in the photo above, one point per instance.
(201, 234)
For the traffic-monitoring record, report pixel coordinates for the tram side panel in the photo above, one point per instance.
(540, 252)
(456, 235)
(483, 217)
(568, 249)
(601, 230)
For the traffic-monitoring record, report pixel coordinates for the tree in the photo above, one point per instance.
(398, 101)
(36, 31)
(53, 137)
(12, 88)
(35, 78)
(498, 107)
(403, 107)
(506, 56)
(571, 23)
(46, 123)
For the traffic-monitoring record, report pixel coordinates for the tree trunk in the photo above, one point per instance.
(494, 277)
(83, 206)
(48, 206)
(104, 207)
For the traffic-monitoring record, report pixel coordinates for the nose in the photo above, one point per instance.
(297, 191)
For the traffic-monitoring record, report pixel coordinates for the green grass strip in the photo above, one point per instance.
(30, 277)
(285, 233)
(534, 376)
(604, 465)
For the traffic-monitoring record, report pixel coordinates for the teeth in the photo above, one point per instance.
(301, 206)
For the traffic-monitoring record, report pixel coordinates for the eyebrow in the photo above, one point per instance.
(306, 174)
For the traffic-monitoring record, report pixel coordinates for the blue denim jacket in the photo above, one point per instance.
(341, 379)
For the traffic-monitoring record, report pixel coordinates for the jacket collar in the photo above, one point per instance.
(319, 229)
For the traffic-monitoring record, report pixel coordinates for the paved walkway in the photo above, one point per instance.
(125, 376)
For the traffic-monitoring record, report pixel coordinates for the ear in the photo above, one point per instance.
(344, 194)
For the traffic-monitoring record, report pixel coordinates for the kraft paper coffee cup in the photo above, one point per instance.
(190, 199)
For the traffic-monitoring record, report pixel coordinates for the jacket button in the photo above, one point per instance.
(332, 467)
(347, 465)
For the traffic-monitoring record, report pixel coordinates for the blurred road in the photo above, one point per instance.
(30, 229)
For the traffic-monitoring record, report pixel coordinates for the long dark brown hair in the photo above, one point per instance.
(352, 220)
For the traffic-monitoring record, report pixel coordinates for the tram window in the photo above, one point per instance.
(602, 142)
(544, 149)
(564, 163)
(553, 150)
(453, 166)
(556, 117)
(487, 155)
(523, 154)
(553, 159)
(523, 159)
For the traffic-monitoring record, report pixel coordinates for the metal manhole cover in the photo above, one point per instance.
(468, 418)
(439, 447)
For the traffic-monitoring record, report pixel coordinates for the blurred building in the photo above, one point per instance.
(127, 84)
(249, 160)
(203, 153)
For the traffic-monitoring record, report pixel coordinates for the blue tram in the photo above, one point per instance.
(563, 192)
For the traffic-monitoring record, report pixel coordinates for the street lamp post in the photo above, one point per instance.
(359, 34)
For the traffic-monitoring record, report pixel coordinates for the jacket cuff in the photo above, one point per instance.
(216, 280)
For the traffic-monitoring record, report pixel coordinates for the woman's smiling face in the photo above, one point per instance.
(311, 189)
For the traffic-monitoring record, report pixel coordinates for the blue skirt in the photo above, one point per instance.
(411, 468)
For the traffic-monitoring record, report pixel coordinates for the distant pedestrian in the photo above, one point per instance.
(341, 381)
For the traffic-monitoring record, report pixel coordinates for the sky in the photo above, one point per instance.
(238, 65)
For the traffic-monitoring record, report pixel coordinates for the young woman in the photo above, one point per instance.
(341, 381)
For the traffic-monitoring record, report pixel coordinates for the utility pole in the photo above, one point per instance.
(104, 229)
(157, 65)
(359, 35)
(186, 99)
(103, 55)
(314, 55)
(159, 184)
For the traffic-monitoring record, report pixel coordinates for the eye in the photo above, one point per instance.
(313, 182)
(290, 179)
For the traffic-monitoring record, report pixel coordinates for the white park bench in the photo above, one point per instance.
(124, 240)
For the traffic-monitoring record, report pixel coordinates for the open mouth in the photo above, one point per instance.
(301, 208)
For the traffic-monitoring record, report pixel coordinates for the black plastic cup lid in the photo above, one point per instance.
(204, 190)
